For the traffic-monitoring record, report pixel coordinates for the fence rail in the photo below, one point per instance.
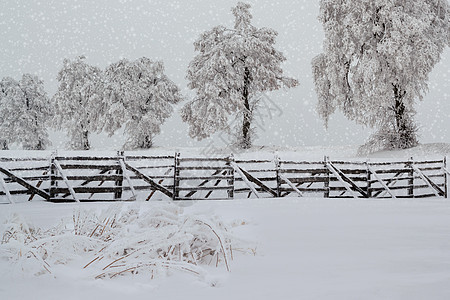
(122, 177)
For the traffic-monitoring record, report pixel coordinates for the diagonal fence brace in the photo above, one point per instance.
(150, 181)
(25, 184)
(436, 190)
(5, 188)
(285, 179)
(247, 176)
(384, 185)
(345, 181)
(71, 190)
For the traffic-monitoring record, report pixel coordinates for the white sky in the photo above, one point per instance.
(35, 37)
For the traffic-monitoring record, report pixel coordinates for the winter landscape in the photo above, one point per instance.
(205, 149)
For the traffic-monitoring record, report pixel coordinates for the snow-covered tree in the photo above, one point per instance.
(25, 111)
(376, 60)
(141, 96)
(232, 68)
(9, 89)
(79, 102)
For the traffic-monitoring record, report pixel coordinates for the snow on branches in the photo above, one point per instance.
(232, 67)
(78, 103)
(141, 96)
(24, 113)
(376, 61)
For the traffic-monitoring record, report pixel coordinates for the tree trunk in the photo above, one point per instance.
(85, 140)
(246, 141)
(40, 146)
(405, 131)
(147, 143)
(4, 145)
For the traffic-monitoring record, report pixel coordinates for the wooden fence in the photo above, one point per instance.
(127, 177)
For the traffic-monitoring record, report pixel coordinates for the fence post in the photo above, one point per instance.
(445, 178)
(176, 175)
(326, 183)
(277, 173)
(369, 184)
(231, 174)
(119, 182)
(52, 174)
(411, 181)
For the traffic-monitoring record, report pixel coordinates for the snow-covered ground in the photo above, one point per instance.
(305, 249)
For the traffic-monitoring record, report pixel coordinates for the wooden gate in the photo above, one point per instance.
(128, 178)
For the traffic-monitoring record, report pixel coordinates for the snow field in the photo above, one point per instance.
(305, 248)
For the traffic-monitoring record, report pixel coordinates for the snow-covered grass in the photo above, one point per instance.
(305, 248)
(121, 240)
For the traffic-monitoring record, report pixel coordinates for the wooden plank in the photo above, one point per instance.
(307, 190)
(22, 159)
(306, 179)
(326, 183)
(276, 161)
(347, 163)
(431, 162)
(398, 187)
(38, 185)
(147, 179)
(217, 183)
(261, 178)
(439, 168)
(390, 171)
(17, 192)
(374, 173)
(64, 200)
(338, 175)
(90, 167)
(437, 191)
(43, 168)
(217, 172)
(245, 178)
(6, 191)
(160, 182)
(203, 168)
(154, 167)
(28, 178)
(222, 159)
(292, 162)
(425, 196)
(446, 173)
(208, 178)
(25, 184)
(261, 170)
(125, 173)
(89, 190)
(204, 188)
(303, 171)
(87, 180)
(61, 172)
(143, 157)
(202, 199)
(252, 161)
(176, 175)
(291, 185)
(86, 158)
(255, 180)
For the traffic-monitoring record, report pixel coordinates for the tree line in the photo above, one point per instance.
(375, 64)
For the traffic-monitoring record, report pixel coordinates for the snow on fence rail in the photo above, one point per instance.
(127, 177)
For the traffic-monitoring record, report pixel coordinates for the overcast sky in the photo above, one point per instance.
(35, 37)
